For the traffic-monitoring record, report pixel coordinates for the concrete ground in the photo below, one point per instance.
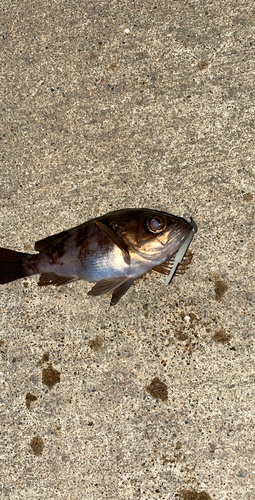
(108, 105)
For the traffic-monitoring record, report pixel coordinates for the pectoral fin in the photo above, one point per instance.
(166, 267)
(116, 239)
(106, 286)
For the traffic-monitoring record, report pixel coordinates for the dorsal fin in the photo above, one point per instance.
(44, 244)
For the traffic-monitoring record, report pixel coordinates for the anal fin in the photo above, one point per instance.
(55, 279)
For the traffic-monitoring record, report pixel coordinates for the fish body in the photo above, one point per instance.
(111, 250)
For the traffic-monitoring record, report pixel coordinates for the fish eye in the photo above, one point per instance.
(156, 224)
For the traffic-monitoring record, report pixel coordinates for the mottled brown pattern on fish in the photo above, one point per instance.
(88, 238)
(50, 241)
(31, 264)
(82, 241)
(56, 252)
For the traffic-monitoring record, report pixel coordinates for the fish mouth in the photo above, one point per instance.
(193, 225)
(174, 238)
(182, 250)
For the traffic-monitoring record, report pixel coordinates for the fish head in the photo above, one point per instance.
(153, 235)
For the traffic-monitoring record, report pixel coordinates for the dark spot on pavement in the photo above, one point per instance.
(157, 389)
(96, 343)
(193, 495)
(50, 376)
(45, 357)
(220, 288)
(202, 65)
(30, 398)
(247, 197)
(146, 311)
(221, 336)
(212, 448)
(37, 445)
(180, 335)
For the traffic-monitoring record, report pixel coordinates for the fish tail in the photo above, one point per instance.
(13, 265)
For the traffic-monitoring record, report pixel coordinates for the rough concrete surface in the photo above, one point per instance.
(107, 105)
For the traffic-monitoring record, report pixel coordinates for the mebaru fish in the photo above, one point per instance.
(111, 251)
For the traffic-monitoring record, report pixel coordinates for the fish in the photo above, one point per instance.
(111, 251)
